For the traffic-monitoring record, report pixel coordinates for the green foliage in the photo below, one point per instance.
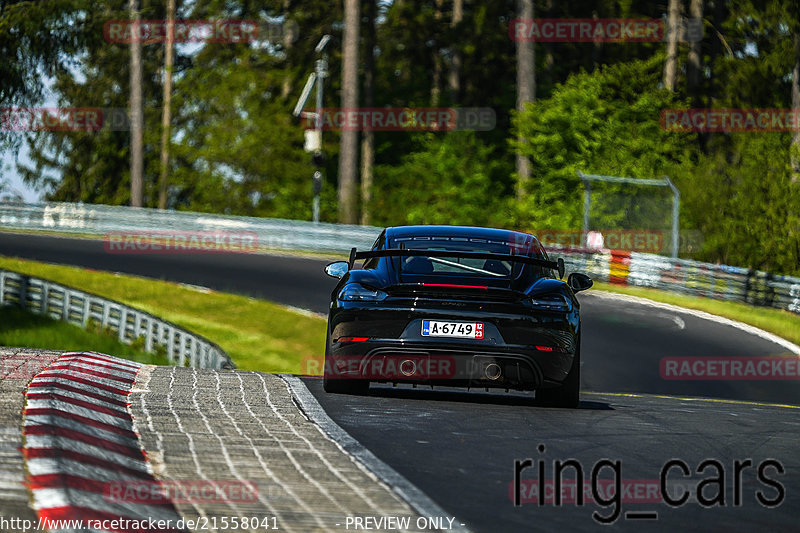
(235, 149)
(27, 330)
(743, 200)
(606, 122)
(449, 179)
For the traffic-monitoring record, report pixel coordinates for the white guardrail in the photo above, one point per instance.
(130, 325)
(627, 268)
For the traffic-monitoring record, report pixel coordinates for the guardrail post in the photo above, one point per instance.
(148, 334)
(65, 310)
(123, 324)
(171, 344)
(182, 352)
(85, 311)
(23, 291)
(193, 348)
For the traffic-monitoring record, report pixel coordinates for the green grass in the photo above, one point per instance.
(777, 321)
(258, 335)
(26, 330)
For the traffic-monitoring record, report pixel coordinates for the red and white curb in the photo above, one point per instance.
(79, 437)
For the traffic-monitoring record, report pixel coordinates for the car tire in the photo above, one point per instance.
(566, 396)
(338, 385)
(345, 386)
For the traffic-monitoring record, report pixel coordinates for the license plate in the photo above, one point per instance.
(444, 328)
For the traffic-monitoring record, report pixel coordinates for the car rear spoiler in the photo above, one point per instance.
(558, 265)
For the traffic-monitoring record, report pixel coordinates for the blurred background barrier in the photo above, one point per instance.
(40, 296)
(683, 276)
(99, 220)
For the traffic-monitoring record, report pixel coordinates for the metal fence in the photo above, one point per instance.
(99, 220)
(684, 276)
(130, 325)
(626, 268)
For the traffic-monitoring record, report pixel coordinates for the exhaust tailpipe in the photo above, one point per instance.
(408, 368)
(492, 371)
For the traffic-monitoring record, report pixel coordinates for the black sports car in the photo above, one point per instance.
(455, 306)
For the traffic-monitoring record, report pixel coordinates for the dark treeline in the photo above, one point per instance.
(595, 107)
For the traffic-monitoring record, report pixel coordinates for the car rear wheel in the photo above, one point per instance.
(345, 386)
(338, 385)
(568, 394)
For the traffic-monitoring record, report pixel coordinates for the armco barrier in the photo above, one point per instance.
(99, 220)
(684, 276)
(634, 268)
(60, 302)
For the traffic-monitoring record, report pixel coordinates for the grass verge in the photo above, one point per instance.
(258, 335)
(777, 321)
(26, 330)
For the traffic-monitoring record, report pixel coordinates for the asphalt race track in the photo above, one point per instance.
(460, 448)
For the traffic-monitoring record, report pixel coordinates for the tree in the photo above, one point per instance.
(447, 179)
(368, 137)
(454, 77)
(694, 63)
(526, 89)
(348, 153)
(94, 166)
(604, 122)
(135, 106)
(37, 39)
(165, 120)
(795, 148)
(672, 32)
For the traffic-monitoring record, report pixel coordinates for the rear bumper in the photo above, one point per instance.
(440, 366)
(518, 351)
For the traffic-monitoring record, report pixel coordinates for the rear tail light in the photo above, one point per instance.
(550, 302)
(551, 349)
(351, 339)
(354, 292)
(455, 286)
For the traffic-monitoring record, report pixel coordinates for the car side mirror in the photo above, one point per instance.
(578, 281)
(337, 269)
(561, 268)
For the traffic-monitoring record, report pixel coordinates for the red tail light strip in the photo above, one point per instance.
(551, 349)
(352, 339)
(454, 286)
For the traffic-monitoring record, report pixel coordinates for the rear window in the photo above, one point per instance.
(460, 266)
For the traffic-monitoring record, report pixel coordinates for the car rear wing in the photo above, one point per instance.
(558, 265)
